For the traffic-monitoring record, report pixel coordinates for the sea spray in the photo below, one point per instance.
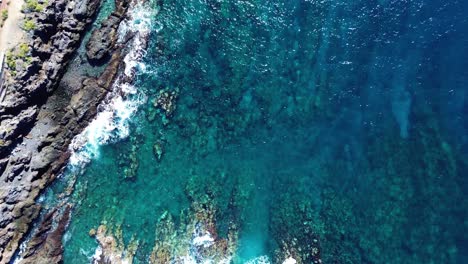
(113, 119)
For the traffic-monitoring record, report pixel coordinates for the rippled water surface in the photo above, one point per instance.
(330, 126)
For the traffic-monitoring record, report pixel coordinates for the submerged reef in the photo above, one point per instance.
(399, 196)
(267, 132)
(128, 161)
(111, 246)
(164, 104)
(195, 240)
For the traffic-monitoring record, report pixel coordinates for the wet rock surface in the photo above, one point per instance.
(104, 39)
(38, 122)
(48, 161)
(46, 244)
(60, 27)
(112, 248)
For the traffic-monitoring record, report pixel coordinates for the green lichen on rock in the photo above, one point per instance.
(4, 14)
(29, 24)
(20, 56)
(34, 5)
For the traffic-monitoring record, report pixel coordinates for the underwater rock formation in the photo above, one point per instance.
(165, 103)
(111, 247)
(129, 161)
(194, 241)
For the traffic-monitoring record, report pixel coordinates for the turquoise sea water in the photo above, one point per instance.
(337, 125)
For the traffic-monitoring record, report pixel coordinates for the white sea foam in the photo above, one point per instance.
(204, 240)
(112, 122)
(201, 238)
(289, 261)
(266, 260)
(189, 259)
(259, 260)
(97, 254)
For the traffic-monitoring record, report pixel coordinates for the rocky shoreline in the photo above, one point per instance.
(40, 115)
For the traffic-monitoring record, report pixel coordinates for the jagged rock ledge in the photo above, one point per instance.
(104, 39)
(38, 122)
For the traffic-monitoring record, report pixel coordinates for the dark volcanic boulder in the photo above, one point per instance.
(103, 40)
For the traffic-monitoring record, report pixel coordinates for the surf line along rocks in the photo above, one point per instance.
(39, 117)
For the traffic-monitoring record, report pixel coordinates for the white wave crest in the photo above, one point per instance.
(112, 122)
(290, 261)
(201, 239)
(266, 260)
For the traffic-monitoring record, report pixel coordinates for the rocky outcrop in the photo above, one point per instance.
(46, 245)
(59, 30)
(49, 152)
(112, 248)
(195, 238)
(103, 39)
(37, 123)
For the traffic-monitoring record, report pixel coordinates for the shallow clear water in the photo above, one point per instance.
(341, 121)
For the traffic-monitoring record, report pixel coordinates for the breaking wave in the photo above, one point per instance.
(113, 119)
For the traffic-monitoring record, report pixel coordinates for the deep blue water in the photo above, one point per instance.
(338, 125)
